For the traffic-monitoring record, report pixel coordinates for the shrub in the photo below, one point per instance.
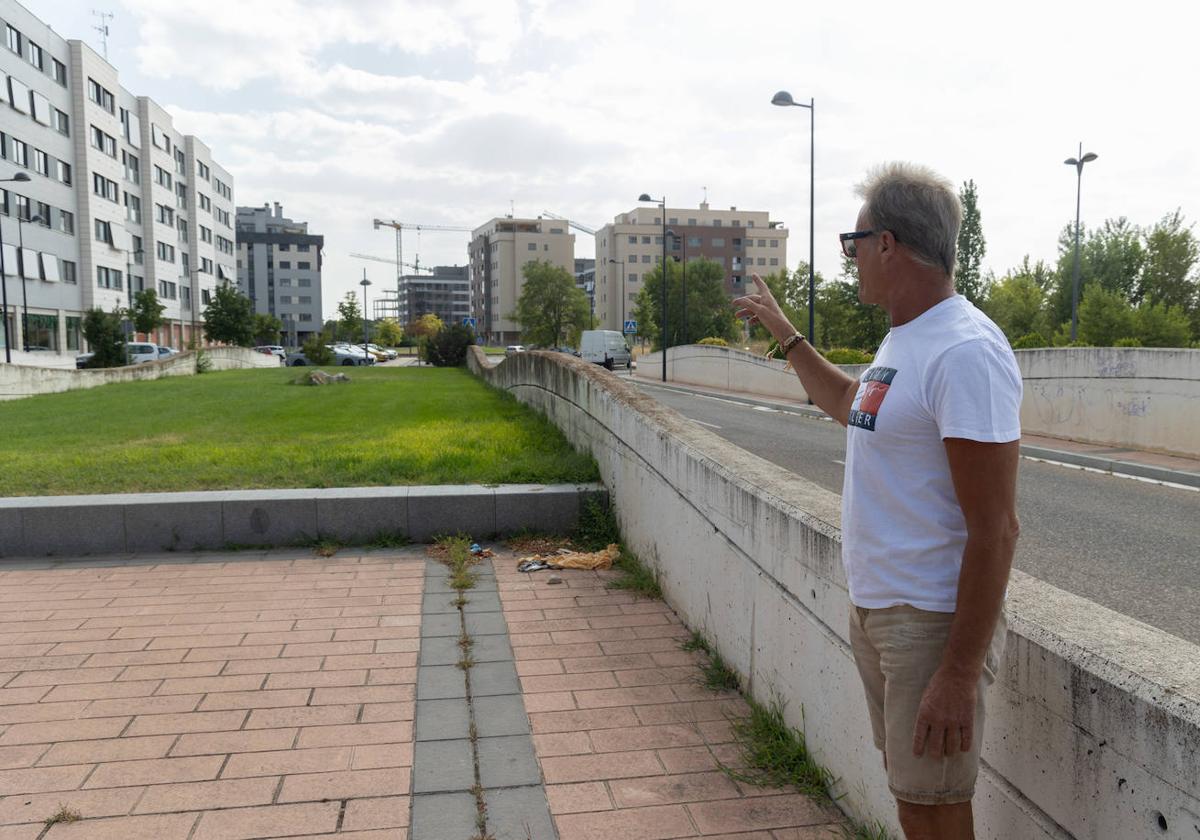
(1127, 342)
(448, 347)
(1029, 341)
(105, 337)
(315, 350)
(848, 356)
(714, 342)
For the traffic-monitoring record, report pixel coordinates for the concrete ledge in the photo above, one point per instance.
(148, 522)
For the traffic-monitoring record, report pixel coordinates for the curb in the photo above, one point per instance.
(37, 526)
(1114, 466)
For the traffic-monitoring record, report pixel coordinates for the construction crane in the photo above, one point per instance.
(399, 228)
(414, 266)
(576, 225)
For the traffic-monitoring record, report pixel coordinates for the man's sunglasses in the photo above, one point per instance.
(850, 240)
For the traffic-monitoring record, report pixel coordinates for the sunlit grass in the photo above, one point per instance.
(253, 429)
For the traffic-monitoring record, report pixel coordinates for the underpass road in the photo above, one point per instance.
(1129, 545)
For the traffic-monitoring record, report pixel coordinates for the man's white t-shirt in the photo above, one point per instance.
(948, 373)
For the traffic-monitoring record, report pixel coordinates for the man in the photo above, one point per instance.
(929, 521)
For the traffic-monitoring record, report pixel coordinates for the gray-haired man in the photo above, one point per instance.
(929, 518)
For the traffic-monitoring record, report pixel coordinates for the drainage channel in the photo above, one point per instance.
(473, 745)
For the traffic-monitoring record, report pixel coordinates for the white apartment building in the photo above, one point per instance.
(279, 269)
(122, 201)
(745, 242)
(498, 252)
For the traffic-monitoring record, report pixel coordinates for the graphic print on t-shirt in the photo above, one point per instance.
(865, 409)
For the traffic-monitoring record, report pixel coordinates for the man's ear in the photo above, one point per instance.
(887, 243)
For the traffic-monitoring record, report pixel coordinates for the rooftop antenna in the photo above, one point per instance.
(512, 212)
(705, 194)
(102, 27)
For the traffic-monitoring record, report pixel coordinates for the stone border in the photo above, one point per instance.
(143, 522)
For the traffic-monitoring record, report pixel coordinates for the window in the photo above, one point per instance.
(135, 250)
(301, 247)
(750, 223)
(34, 54)
(285, 281)
(108, 278)
(671, 220)
(101, 96)
(305, 299)
(774, 260)
(165, 252)
(304, 266)
(774, 243)
(691, 222)
(285, 264)
(205, 234)
(645, 258)
(284, 247)
(66, 221)
(203, 171)
(645, 240)
(180, 195)
(164, 215)
(737, 223)
(304, 282)
(104, 231)
(131, 127)
(718, 242)
(716, 223)
(762, 243)
(21, 206)
(20, 152)
(167, 290)
(60, 72)
(60, 121)
(104, 142)
(632, 239)
(162, 177)
(306, 316)
(761, 261)
(185, 295)
(225, 246)
(223, 218)
(159, 138)
(68, 272)
(133, 171)
(104, 188)
(43, 211)
(285, 298)
(133, 208)
(693, 241)
(205, 202)
(737, 244)
(13, 38)
(206, 265)
(180, 161)
(183, 234)
(41, 162)
(205, 297)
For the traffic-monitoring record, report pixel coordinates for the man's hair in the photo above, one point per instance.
(919, 207)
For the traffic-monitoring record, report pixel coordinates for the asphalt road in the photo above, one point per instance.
(1129, 545)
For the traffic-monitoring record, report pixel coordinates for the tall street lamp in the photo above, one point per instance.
(1078, 164)
(364, 283)
(130, 257)
(683, 283)
(663, 204)
(784, 99)
(20, 176)
(618, 262)
(24, 285)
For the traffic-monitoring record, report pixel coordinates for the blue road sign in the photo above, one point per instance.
(469, 322)
(630, 327)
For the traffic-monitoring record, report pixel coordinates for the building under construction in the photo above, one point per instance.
(445, 293)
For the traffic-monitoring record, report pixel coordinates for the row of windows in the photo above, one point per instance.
(223, 217)
(287, 247)
(222, 189)
(37, 265)
(102, 96)
(24, 208)
(37, 106)
(202, 170)
(225, 246)
(105, 188)
(108, 278)
(303, 266)
(162, 177)
(21, 153)
(301, 299)
(35, 55)
(302, 282)
(104, 142)
(716, 241)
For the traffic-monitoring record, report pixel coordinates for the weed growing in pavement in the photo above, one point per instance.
(326, 546)
(461, 601)
(466, 662)
(63, 815)
(718, 676)
(777, 754)
(866, 831)
(636, 576)
(597, 527)
(465, 642)
(388, 539)
(695, 642)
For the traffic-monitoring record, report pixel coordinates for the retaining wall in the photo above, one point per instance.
(1094, 723)
(17, 381)
(1125, 397)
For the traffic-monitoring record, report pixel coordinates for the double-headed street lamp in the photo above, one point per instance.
(24, 285)
(1078, 164)
(784, 99)
(618, 262)
(364, 283)
(663, 204)
(20, 176)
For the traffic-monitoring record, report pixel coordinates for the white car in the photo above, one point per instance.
(136, 352)
(343, 355)
(514, 349)
(274, 350)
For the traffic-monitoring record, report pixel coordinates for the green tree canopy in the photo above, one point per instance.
(1105, 316)
(968, 277)
(388, 332)
(1169, 274)
(843, 321)
(1015, 304)
(267, 328)
(709, 307)
(1159, 325)
(350, 317)
(146, 312)
(426, 326)
(102, 331)
(551, 309)
(229, 317)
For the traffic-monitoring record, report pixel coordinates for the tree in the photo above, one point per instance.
(448, 348)
(1168, 275)
(350, 316)
(316, 349)
(146, 312)
(971, 247)
(388, 332)
(709, 309)
(1015, 304)
(1159, 325)
(426, 326)
(229, 317)
(1104, 316)
(267, 328)
(844, 321)
(551, 308)
(104, 336)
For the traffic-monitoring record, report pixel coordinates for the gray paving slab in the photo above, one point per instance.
(443, 816)
(486, 624)
(444, 650)
(92, 529)
(507, 761)
(500, 715)
(444, 624)
(443, 766)
(519, 813)
(489, 679)
(444, 720)
(269, 521)
(439, 602)
(482, 602)
(437, 682)
(441, 584)
(167, 527)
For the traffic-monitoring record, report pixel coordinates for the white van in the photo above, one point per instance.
(605, 347)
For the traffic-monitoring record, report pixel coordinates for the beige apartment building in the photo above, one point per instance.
(745, 242)
(499, 250)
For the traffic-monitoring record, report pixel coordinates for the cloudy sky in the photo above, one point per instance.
(444, 112)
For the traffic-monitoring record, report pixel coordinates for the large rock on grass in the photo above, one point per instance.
(320, 377)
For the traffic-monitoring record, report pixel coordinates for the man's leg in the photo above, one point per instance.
(937, 822)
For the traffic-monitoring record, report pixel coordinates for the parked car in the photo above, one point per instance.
(387, 351)
(605, 347)
(514, 349)
(167, 352)
(273, 350)
(136, 352)
(343, 355)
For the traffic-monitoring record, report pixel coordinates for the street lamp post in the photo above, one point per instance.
(364, 283)
(683, 282)
(1078, 164)
(784, 99)
(618, 262)
(663, 325)
(20, 176)
(130, 256)
(24, 285)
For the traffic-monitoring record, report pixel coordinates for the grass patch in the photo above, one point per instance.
(251, 429)
(866, 831)
(597, 527)
(387, 539)
(63, 815)
(528, 541)
(777, 754)
(695, 642)
(326, 547)
(636, 576)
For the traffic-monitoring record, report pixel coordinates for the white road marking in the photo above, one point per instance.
(1141, 478)
(702, 423)
(765, 408)
(836, 461)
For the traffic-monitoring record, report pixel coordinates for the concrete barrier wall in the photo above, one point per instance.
(17, 381)
(1094, 728)
(1127, 397)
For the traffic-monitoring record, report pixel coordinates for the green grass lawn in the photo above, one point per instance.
(253, 429)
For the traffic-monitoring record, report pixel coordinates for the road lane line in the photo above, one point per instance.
(702, 423)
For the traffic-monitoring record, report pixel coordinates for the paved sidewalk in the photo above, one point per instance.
(273, 694)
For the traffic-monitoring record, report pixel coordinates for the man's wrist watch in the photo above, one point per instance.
(789, 343)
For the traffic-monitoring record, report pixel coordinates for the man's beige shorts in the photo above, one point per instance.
(897, 650)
